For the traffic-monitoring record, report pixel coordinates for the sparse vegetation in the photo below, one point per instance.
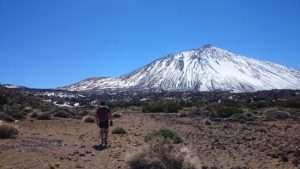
(164, 134)
(43, 116)
(227, 112)
(62, 113)
(18, 115)
(6, 117)
(88, 119)
(277, 115)
(161, 106)
(291, 103)
(162, 155)
(247, 116)
(118, 130)
(117, 115)
(7, 132)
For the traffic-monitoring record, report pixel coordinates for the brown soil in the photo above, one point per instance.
(68, 144)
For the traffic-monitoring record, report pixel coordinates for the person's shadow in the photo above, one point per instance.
(99, 147)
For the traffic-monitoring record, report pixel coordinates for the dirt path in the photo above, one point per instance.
(69, 144)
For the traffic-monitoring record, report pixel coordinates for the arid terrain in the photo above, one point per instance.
(69, 143)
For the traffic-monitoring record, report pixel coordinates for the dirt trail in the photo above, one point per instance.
(69, 144)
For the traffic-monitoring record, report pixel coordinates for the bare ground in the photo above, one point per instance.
(67, 144)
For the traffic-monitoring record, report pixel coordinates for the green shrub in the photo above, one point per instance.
(227, 112)
(6, 117)
(291, 103)
(8, 132)
(277, 115)
(259, 104)
(164, 134)
(33, 115)
(161, 106)
(154, 107)
(247, 116)
(18, 115)
(43, 116)
(119, 130)
(62, 113)
(230, 103)
(171, 107)
(3, 100)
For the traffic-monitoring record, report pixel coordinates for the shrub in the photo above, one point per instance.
(162, 155)
(164, 134)
(62, 113)
(18, 115)
(226, 112)
(230, 103)
(3, 100)
(277, 115)
(172, 107)
(290, 103)
(43, 116)
(83, 113)
(296, 114)
(161, 106)
(7, 132)
(153, 107)
(33, 115)
(243, 117)
(27, 109)
(117, 115)
(6, 117)
(182, 115)
(119, 130)
(260, 104)
(88, 119)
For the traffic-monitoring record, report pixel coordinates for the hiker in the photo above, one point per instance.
(104, 120)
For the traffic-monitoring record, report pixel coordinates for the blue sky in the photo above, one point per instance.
(50, 43)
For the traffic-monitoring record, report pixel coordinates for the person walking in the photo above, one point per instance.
(104, 120)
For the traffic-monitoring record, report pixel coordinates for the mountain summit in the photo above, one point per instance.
(208, 68)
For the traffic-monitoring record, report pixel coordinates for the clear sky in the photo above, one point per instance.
(50, 43)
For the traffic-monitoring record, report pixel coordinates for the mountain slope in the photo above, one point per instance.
(205, 69)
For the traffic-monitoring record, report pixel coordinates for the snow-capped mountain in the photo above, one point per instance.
(205, 69)
(11, 86)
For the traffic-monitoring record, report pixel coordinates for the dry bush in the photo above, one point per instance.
(62, 113)
(8, 132)
(6, 117)
(219, 111)
(163, 134)
(88, 119)
(247, 116)
(277, 115)
(43, 116)
(17, 115)
(163, 155)
(117, 115)
(119, 130)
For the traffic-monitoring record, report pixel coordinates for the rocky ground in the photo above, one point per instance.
(69, 143)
